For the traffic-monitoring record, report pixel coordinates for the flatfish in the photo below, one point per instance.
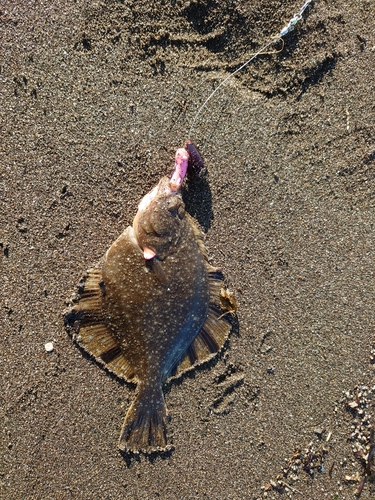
(153, 307)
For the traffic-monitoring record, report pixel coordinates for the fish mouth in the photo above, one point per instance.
(169, 187)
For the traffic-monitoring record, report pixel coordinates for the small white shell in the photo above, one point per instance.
(48, 347)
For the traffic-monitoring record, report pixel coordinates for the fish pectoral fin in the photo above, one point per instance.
(144, 428)
(156, 267)
(85, 321)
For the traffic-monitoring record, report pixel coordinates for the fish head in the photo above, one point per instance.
(160, 220)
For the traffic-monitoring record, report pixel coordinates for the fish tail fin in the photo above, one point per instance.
(144, 427)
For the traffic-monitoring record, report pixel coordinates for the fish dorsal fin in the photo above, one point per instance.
(86, 323)
(215, 331)
(198, 235)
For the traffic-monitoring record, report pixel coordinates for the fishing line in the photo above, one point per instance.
(287, 29)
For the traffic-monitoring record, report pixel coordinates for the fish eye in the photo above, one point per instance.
(173, 206)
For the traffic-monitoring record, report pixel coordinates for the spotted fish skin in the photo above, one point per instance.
(151, 309)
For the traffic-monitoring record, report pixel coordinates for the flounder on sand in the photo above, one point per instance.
(153, 307)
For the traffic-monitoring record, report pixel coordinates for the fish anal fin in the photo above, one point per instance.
(217, 326)
(111, 354)
(215, 287)
(192, 355)
(86, 322)
(96, 339)
(100, 343)
(122, 368)
(182, 366)
(208, 341)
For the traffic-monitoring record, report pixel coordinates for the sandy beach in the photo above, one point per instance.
(95, 98)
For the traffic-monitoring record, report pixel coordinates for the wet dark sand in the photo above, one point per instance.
(95, 99)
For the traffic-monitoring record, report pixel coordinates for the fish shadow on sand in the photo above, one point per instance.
(196, 194)
(130, 458)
